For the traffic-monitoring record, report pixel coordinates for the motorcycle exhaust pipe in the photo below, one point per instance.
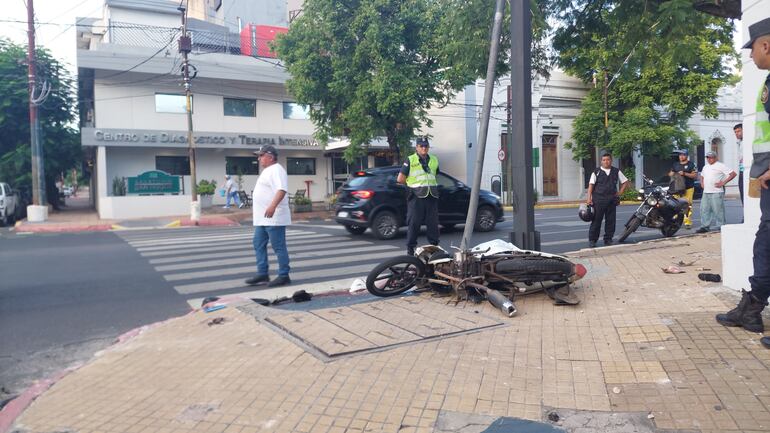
(504, 304)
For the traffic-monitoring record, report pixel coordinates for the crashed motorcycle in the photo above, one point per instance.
(659, 210)
(495, 270)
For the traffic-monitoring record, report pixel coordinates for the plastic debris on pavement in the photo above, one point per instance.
(672, 270)
(214, 308)
(358, 285)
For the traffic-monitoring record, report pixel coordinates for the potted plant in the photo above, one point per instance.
(206, 190)
(302, 204)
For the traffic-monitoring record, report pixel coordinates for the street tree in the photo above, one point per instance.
(61, 141)
(373, 68)
(659, 61)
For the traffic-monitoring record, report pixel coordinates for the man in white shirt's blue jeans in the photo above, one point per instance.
(714, 176)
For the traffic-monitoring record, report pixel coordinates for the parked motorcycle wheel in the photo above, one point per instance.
(630, 228)
(670, 229)
(395, 276)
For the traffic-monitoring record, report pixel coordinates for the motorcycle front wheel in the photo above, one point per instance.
(395, 276)
(632, 226)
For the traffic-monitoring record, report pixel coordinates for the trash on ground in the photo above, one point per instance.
(672, 270)
(301, 296)
(261, 301)
(216, 321)
(702, 269)
(651, 416)
(616, 390)
(683, 263)
(553, 417)
(714, 278)
(214, 308)
(209, 300)
(358, 285)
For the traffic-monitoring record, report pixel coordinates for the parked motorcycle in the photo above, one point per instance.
(659, 210)
(495, 270)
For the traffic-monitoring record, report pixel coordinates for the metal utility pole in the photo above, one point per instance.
(482, 141)
(185, 46)
(524, 235)
(38, 173)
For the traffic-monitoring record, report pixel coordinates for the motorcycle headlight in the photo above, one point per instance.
(652, 201)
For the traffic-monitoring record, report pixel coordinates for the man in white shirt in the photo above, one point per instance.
(271, 216)
(604, 196)
(231, 192)
(714, 176)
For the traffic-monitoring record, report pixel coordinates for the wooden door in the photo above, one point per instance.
(550, 168)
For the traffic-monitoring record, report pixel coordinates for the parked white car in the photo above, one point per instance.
(9, 204)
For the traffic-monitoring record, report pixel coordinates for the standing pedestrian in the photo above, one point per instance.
(748, 312)
(738, 129)
(603, 194)
(713, 178)
(231, 192)
(419, 174)
(685, 168)
(271, 216)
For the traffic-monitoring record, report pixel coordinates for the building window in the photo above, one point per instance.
(300, 166)
(240, 107)
(174, 165)
(169, 103)
(235, 165)
(292, 110)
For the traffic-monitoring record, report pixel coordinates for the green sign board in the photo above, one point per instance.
(153, 182)
(535, 157)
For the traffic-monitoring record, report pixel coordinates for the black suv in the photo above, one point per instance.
(373, 198)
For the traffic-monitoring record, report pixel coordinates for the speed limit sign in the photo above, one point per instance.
(501, 154)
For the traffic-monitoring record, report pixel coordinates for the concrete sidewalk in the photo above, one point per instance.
(642, 352)
(78, 216)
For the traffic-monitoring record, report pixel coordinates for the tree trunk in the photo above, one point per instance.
(394, 150)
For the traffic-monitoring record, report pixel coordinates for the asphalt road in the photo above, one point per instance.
(65, 296)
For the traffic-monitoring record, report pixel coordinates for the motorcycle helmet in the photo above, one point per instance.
(586, 213)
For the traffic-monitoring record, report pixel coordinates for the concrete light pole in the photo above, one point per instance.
(185, 46)
(520, 129)
(482, 142)
(38, 211)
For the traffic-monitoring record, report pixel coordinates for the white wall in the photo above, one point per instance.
(129, 162)
(737, 263)
(132, 106)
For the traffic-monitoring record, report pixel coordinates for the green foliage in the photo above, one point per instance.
(119, 186)
(60, 139)
(370, 68)
(629, 173)
(206, 187)
(301, 200)
(670, 60)
(630, 194)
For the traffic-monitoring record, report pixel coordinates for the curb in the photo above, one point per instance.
(28, 228)
(16, 407)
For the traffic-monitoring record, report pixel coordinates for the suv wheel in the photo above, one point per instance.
(485, 220)
(355, 230)
(385, 225)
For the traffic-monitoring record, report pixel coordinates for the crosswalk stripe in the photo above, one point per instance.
(244, 239)
(197, 239)
(296, 269)
(295, 256)
(329, 273)
(323, 240)
(241, 249)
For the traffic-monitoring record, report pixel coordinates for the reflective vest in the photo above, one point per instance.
(421, 182)
(761, 145)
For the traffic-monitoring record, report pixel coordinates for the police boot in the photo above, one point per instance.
(747, 314)
(765, 342)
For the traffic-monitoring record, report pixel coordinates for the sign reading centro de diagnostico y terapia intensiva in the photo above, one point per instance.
(161, 137)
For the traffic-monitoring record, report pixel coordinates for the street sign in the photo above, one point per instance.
(153, 182)
(501, 154)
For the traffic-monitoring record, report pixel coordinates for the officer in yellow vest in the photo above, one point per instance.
(748, 312)
(419, 174)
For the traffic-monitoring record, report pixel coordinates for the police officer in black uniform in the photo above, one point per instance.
(603, 194)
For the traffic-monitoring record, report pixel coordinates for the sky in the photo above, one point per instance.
(59, 37)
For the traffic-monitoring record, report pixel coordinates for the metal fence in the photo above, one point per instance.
(140, 35)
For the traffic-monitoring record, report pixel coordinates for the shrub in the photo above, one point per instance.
(301, 200)
(206, 187)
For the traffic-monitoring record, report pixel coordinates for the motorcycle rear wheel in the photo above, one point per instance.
(670, 229)
(533, 266)
(395, 276)
(632, 226)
